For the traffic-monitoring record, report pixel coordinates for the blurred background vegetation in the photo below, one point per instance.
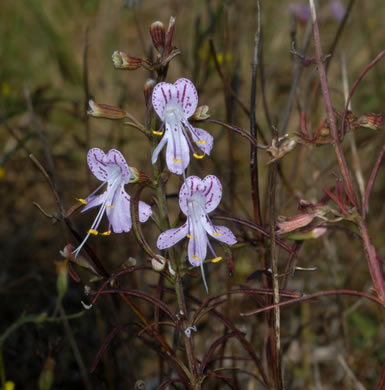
(46, 49)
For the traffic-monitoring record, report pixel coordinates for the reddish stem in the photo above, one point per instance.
(371, 182)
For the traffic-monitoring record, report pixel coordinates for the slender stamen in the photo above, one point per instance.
(204, 278)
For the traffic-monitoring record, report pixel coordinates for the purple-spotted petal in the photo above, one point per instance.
(187, 96)
(159, 147)
(163, 94)
(220, 233)
(203, 139)
(170, 237)
(97, 165)
(213, 192)
(119, 215)
(177, 151)
(94, 201)
(144, 211)
(189, 187)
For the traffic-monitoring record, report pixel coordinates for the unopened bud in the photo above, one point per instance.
(307, 235)
(288, 224)
(123, 61)
(47, 374)
(169, 35)
(158, 35)
(148, 88)
(158, 263)
(98, 110)
(371, 121)
(62, 278)
(201, 113)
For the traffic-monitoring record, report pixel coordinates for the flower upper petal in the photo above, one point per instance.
(202, 138)
(187, 96)
(115, 158)
(213, 192)
(105, 166)
(163, 94)
(177, 152)
(120, 214)
(220, 233)
(189, 187)
(171, 237)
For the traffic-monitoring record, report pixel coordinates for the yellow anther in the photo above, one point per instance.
(188, 236)
(198, 156)
(111, 206)
(157, 132)
(82, 201)
(217, 260)
(175, 160)
(217, 234)
(196, 258)
(201, 142)
(107, 233)
(93, 231)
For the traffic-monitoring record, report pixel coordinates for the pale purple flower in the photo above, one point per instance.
(337, 9)
(174, 104)
(197, 198)
(112, 169)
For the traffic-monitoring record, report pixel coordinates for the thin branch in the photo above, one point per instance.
(371, 181)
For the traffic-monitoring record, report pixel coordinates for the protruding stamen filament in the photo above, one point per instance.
(107, 233)
(158, 132)
(196, 258)
(112, 206)
(188, 236)
(217, 234)
(197, 156)
(82, 201)
(93, 231)
(217, 260)
(201, 142)
(175, 160)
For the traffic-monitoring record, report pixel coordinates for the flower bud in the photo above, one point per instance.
(62, 278)
(371, 121)
(288, 224)
(307, 235)
(123, 61)
(105, 111)
(47, 374)
(201, 113)
(158, 263)
(148, 88)
(158, 35)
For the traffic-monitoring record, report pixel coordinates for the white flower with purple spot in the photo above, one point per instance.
(197, 198)
(112, 169)
(174, 104)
